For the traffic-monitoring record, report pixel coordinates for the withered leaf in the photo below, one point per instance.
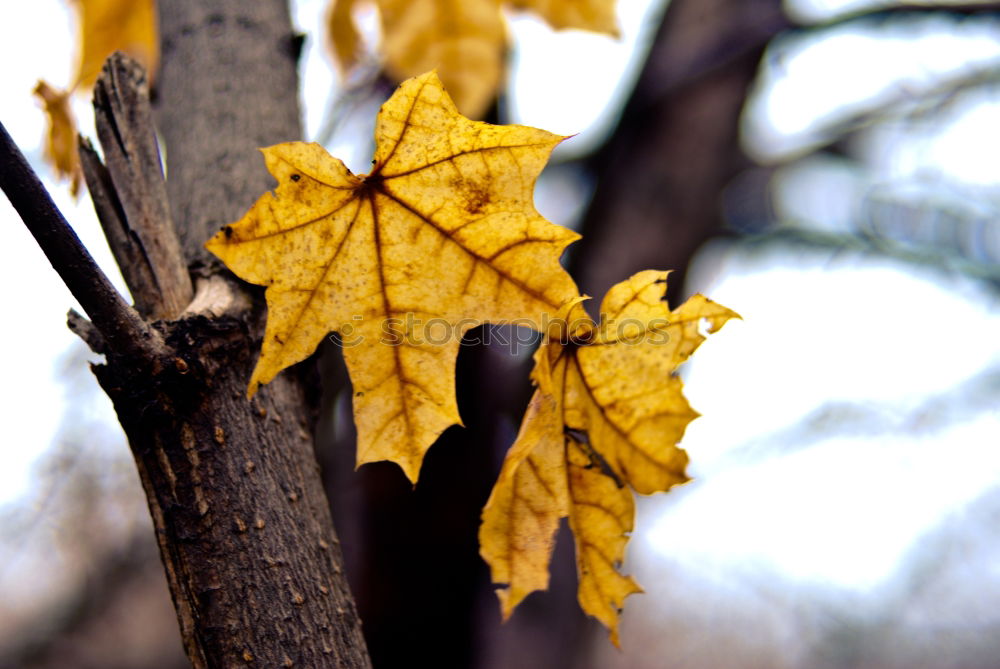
(441, 235)
(609, 400)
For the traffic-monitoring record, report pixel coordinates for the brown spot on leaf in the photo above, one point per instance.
(477, 199)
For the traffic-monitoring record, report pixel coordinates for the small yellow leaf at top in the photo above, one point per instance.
(441, 236)
(609, 397)
(593, 15)
(343, 36)
(107, 26)
(60, 139)
(462, 39)
(465, 40)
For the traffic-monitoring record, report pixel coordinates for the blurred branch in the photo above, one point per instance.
(739, 39)
(928, 256)
(877, 13)
(974, 396)
(902, 102)
(905, 102)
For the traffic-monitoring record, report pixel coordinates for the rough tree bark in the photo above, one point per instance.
(243, 526)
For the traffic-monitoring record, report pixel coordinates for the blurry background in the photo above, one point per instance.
(829, 169)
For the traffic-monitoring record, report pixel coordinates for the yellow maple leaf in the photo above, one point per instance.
(464, 39)
(594, 15)
(343, 37)
(442, 235)
(607, 416)
(105, 26)
(60, 137)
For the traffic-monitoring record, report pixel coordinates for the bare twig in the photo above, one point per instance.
(136, 213)
(105, 201)
(86, 331)
(122, 328)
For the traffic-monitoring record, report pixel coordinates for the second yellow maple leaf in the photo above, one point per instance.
(105, 26)
(607, 416)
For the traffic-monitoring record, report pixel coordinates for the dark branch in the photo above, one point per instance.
(122, 328)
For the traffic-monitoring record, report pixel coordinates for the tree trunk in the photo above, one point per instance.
(243, 526)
